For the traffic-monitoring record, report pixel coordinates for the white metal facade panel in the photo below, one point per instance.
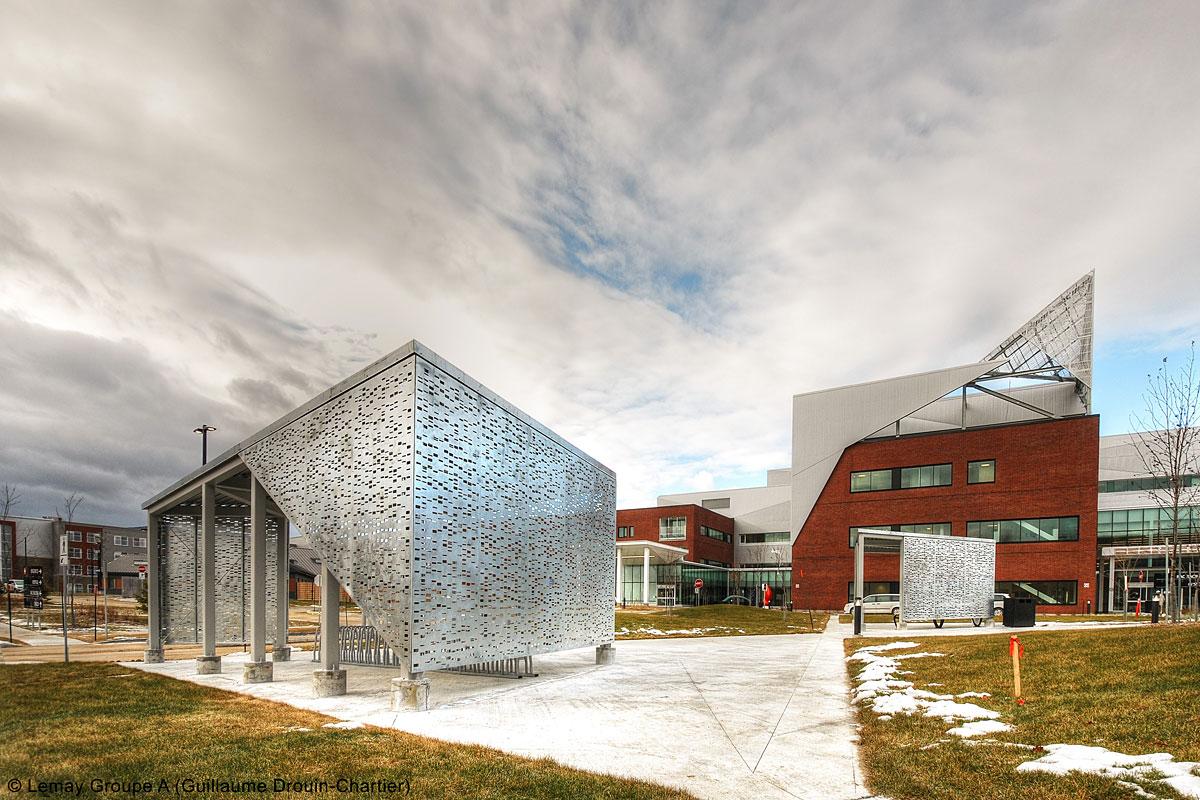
(825, 423)
(947, 577)
(514, 549)
(343, 474)
(464, 530)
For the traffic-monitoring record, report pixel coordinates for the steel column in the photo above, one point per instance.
(208, 566)
(859, 550)
(331, 592)
(153, 600)
(258, 571)
(646, 575)
(282, 575)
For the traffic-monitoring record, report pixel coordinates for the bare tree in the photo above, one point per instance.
(71, 503)
(1169, 445)
(782, 555)
(9, 499)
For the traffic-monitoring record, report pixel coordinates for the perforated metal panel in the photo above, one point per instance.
(180, 579)
(343, 475)
(465, 531)
(514, 547)
(947, 577)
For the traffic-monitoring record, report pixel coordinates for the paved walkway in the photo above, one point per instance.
(748, 716)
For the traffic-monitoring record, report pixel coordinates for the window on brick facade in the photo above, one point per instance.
(1013, 531)
(981, 471)
(1044, 593)
(93, 538)
(763, 538)
(931, 528)
(881, 480)
(713, 533)
(625, 532)
(76, 552)
(76, 536)
(672, 528)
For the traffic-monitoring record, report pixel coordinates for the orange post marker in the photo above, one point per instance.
(1016, 650)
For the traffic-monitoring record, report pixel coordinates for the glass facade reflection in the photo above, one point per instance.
(674, 584)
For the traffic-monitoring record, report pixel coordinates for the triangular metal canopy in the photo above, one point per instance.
(1056, 339)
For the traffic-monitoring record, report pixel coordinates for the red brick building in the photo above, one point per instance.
(1005, 448)
(706, 535)
(1044, 470)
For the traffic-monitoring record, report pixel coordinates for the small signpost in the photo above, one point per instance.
(698, 585)
(35, 587)
(141, 572)
(1016, 651)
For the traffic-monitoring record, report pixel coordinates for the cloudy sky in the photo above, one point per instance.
(647, 225)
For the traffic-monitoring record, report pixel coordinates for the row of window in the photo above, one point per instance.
(882, 480)
(1046, 593)
(715, 502)
(932, 528)
(1043, 529)
(77, 569)
(122, 541)
(675, 529)
(713, 533)
(1144, 484)
(766, 538)
(1140, 526)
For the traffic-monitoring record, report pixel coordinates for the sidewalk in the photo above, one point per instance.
(755, 716)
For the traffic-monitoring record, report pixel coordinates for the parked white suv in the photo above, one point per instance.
(877, 604)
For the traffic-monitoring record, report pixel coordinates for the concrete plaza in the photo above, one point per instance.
(757, 716)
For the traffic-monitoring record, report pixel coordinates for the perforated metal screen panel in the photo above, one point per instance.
(466, 532)
(514, 546)
(947, 577)
(180, 578)
(343, 474)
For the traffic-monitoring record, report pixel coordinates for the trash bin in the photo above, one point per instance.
(1019, 612)
(1155, 610)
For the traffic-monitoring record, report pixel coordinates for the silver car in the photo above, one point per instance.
(877, 604)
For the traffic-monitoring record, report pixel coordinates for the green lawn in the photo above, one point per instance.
(1132, 690)
(79, 721)
(715, 620)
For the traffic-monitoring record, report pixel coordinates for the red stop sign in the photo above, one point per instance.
(141, 568)
(699, 583)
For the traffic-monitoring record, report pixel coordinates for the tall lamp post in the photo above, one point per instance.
(203, 431)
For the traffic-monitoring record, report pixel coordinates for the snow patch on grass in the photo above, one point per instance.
(1063, 758)
(980, 727)
(879, 684)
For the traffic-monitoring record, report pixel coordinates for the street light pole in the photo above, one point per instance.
(203, 431)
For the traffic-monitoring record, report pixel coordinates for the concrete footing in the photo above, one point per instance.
(258, 672)
(153, 657)
(281, 654)
(329, 682)
(605, 654)
(410, 694)
(208, 665)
